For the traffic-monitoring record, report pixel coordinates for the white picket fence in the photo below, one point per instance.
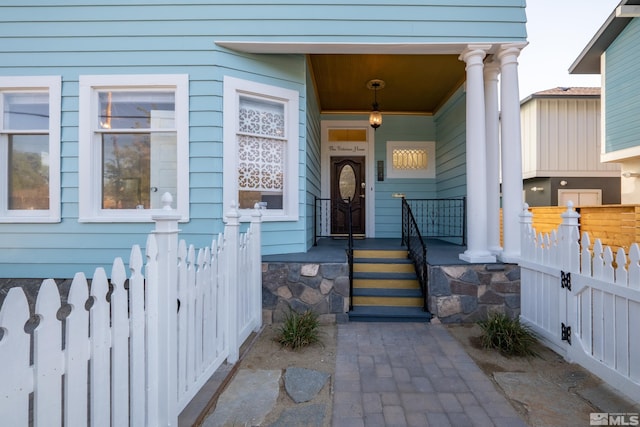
(581, 302)
(141, 351)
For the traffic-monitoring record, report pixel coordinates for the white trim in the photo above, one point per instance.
(354, 48)
(580, 191)
(53, 85)
(233, 89)
(90, 157)
(616, 156)
(428, 172)
(366, 149)
(628, 11)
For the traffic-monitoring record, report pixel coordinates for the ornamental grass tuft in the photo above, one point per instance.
(299, 329)
(508, 336)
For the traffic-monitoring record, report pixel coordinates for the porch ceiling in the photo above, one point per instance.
(414, 84)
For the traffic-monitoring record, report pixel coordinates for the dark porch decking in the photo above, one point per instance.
(329, 250)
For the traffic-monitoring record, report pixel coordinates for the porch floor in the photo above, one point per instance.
(329, 250)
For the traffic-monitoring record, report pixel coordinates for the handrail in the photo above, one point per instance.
(350, 251)
(323, 208)
(440, 218)
(416, 248)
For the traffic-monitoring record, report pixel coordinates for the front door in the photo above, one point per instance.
(347, 183)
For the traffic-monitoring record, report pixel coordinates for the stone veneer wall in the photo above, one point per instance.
(468, 293)
(323, 288)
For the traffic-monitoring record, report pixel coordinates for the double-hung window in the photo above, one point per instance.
(30, 149)
(261, 148)
(133, 146)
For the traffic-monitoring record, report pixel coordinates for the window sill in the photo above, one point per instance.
(29, 219)
(141, 218)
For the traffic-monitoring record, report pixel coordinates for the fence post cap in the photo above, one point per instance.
(257, 211)
(570, 212)
(232, 217)
(166, 200)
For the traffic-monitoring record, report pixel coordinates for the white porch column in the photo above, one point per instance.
(491, 71)
(511, 152)
(477, 247)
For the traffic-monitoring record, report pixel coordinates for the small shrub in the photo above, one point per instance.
(508, 336)
(299, 329)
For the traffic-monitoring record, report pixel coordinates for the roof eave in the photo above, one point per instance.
(588, 62)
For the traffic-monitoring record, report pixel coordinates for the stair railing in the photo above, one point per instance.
(350, 251)
(416, 248)
(440, 218)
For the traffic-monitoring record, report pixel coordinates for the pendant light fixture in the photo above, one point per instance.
(375, 117)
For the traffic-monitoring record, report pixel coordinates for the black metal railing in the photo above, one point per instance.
(416, 248)
(324, 211)
(330, 218)
(350, 251)
(439, 218)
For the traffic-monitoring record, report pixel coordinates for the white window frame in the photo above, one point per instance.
(53, 86)
(89, 153)
(429, 172)
(234, 88)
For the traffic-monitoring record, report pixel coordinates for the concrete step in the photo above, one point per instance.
(389, 314)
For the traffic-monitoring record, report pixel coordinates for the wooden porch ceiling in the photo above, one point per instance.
(414, 84)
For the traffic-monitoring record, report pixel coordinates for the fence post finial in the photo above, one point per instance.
(569, 234)
(166, 200)
(526, 215)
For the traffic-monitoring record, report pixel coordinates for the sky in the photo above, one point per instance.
(557, 31)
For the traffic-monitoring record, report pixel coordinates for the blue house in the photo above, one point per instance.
(613, 53)
(104, 108)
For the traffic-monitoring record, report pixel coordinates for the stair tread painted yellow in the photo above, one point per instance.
(383, 268)
(372, 253)
(388, 301)
(386, 284)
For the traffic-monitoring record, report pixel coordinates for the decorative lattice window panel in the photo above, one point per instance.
(260, 117)
(260, 164)
(411, 159)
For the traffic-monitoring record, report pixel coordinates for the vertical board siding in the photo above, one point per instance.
(529, 125)
(622, 96)
(561, 136)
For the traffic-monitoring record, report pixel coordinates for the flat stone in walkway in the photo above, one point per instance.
(411, 374)
(248, 399)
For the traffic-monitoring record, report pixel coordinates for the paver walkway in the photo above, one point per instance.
(411, 374)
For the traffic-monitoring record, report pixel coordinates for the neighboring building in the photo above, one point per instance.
(560, 149)
(613, 53)
(104, 107)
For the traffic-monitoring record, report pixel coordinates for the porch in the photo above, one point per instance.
(333, 250)
(318, 279)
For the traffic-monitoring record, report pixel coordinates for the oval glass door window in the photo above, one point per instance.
(347, 183)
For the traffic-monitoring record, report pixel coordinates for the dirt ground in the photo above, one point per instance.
(267, 353)
(546, 390)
